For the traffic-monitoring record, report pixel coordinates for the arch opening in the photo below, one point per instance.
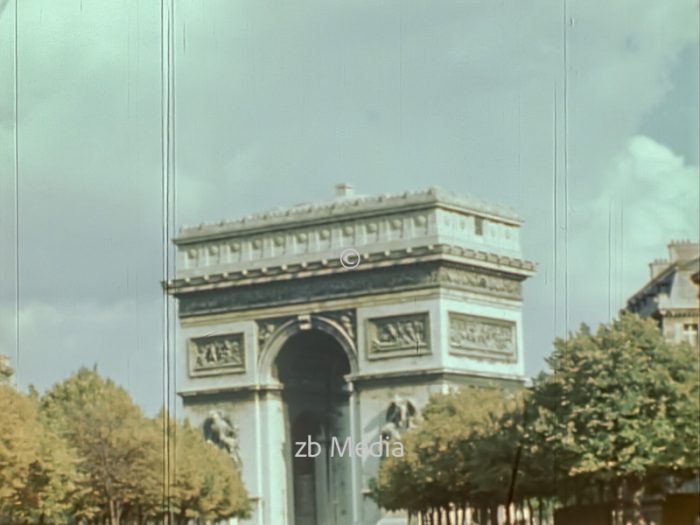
(311, 366)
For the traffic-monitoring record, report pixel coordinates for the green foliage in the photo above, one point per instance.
(619, 408)
(204, 481)
(436, 468)
(118, 447)
(621, 403)
(37, 468)
(84, 450)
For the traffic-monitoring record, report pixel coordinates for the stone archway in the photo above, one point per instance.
(435, 304)
(274, 333)
(311, 367)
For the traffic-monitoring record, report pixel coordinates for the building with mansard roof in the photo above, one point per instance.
(671, 295)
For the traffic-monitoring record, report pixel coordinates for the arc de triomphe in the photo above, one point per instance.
(284, 342)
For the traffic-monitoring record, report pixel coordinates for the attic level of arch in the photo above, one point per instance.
(289, 244)
(356, 206)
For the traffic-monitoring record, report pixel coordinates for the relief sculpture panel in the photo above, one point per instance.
(217, 354)
(483, 338)
(404, 335)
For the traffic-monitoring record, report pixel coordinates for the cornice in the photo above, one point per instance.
(429, 373)
(667, 313)
(321, 267)
(424, 374)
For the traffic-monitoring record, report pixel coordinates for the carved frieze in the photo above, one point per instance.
(483, 338)
(482, 282)
(403, 335)
(217, 354)
(349, 284)
(345, 284)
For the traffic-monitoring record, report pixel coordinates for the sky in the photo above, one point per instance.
(581, 115)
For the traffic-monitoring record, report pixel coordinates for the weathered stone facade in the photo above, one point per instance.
(284, 341)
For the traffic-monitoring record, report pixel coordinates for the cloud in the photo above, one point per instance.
(398, 94)
(124, 340)
(619, 63)
(649, 197)
(277, 103)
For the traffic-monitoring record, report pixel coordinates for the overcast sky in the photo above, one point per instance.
(585, 121)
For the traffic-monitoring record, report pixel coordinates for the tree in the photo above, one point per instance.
(84, 450)
(38, 480)
(618, 413)
(204, 481)
(436, 473)
(621, 407)
(118, 445)
(512, 462)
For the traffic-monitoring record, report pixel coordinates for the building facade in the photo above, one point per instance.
(671, 295)
(333, 323)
